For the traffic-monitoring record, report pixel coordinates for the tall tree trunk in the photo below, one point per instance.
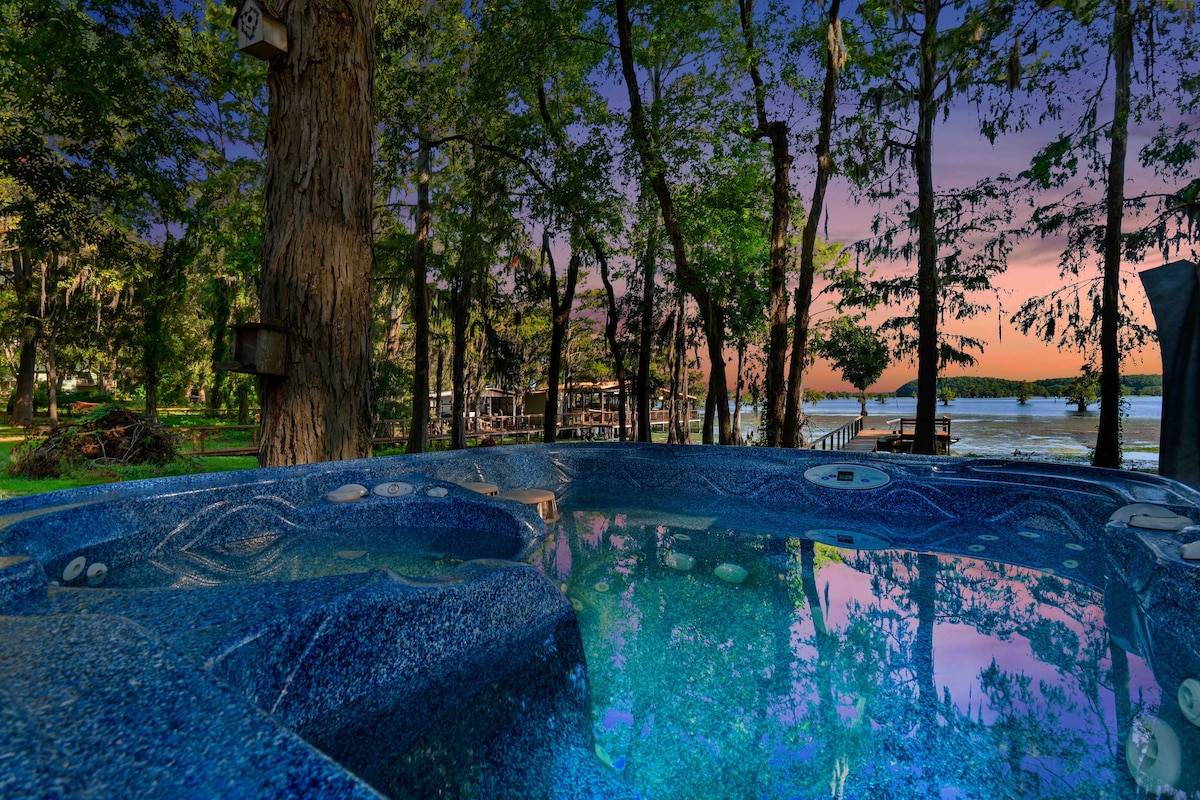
(927, 244)
(151, 401)
(685, 425)
(793, 417)
(441, 369)
(718, 388)
(317, 247)
(777, 132)
(560, 320)
(418, 434)
(739, 383)
(114, 369)
(655, 169)
(21, 414)
(646, 336)
(460, 301)
(1108, 436)
(925, 595)
(675, 426)
(611, 322)
(219, 331)
(243, 401)
(710, 416)
(163, 291)
(395, 328)
(52, 379)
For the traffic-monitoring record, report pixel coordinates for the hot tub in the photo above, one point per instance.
(699, 622)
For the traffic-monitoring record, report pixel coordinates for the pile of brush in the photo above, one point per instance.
(108, 435)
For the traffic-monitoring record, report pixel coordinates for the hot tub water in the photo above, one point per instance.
(877, 673)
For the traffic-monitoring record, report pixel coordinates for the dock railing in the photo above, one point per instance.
(837, 438)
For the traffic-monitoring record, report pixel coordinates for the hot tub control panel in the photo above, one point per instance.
(847, 476)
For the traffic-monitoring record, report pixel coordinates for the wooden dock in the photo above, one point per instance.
(866, 440)
(899, 439)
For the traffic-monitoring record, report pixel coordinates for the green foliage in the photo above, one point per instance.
(1083, 390)
(120, 148)
(857, 351)
(723, 209)
(970, 386)
(1024, 392)
(946, 395)
(921, 59)
(1105, 217)
(74, 477)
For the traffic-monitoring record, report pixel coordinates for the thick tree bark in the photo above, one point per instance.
(654, 169)
(317, 248)
(777, 132)
(418, 434)
(793, 418)
(1108, 436)
(927, 244)
(392, 342)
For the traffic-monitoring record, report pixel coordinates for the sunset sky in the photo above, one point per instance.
(962, 156)
(1032, 271)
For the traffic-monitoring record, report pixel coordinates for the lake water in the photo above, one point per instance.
(1002, 427)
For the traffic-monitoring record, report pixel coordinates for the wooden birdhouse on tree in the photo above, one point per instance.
(261, 33)
(257, 349)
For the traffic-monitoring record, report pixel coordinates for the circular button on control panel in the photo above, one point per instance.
(847, 476)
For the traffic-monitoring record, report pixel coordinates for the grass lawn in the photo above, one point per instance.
(185, 464)
(11, 486)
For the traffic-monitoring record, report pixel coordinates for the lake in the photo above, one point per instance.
(1002, 427)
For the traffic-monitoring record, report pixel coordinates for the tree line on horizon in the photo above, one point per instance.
(970, 386)
(493, 156)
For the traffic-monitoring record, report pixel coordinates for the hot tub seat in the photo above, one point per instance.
(358, 666)
(142, 721)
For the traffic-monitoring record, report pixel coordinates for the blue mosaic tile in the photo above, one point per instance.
(348, 685)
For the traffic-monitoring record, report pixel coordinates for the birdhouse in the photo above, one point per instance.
(261, 33)
(258, 349)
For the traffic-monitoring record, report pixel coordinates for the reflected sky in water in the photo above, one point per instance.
(840, 673)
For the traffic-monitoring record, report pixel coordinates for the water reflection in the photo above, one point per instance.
(842, 673)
